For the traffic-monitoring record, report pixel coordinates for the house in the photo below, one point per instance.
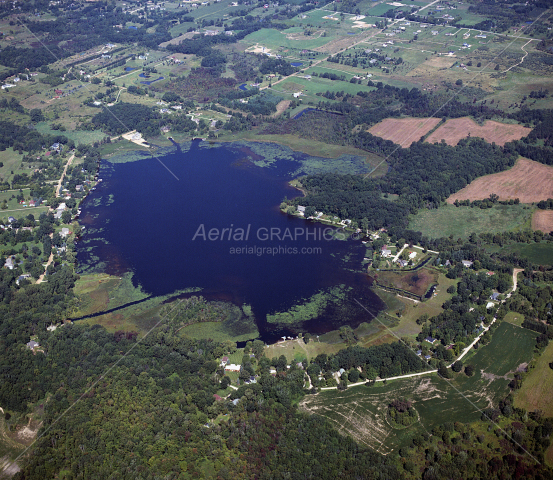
(61, 207)
(56, 147)
(447, 263)
(232, 367)
(224, 361)
(10, 262)
(427, 357)
(412, 255)
(32, 344)
(11, 219)
(301, 210)
(466, 263)
(22, 277)
(385, 252)
(402, 263)
(494, 296)
(235, 401)
(65, 232)
(490, 305)
(78, 188)
(419, 352)
(431, 340)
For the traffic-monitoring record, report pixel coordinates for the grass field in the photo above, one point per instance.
(539, 253)
(514, 318)
(78, 136)
(462, 221)
(361, 411)
(537, 387)
(527, 180)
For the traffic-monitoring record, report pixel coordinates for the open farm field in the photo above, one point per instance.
(527, 180)
(538, 253)
(462, 221)
(493, 132)
(537, 387)
(403, 131)
(543, 220)
(361, 411)
(417, 282)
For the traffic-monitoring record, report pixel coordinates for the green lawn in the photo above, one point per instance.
(361, 411)
(462, 221)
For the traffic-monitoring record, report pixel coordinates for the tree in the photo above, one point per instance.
(469, 370)
(459, 83)
(457, 366)
(36, 115)
(257, 348)
(451, 289)
(443, 371)
(66, 216)
(353, 375)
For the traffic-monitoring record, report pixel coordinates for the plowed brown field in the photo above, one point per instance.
(403, 131)
(543, 220)
(457, 128)
(528, 180)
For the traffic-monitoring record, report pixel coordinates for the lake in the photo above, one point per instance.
(219, 228)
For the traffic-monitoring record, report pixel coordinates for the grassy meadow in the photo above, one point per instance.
(462, 221)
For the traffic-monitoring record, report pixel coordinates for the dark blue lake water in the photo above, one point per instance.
(141, 219)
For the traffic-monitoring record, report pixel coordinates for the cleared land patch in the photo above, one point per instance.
(403, 131)
(458, 128)
(543, 220)
(528, 180)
